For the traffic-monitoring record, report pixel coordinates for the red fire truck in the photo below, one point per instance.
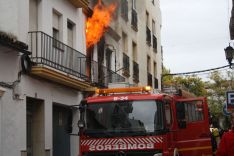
(136, 122)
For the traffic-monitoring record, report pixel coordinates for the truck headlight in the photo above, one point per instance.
(158, 154)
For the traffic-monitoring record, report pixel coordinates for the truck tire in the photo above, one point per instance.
(175, 153)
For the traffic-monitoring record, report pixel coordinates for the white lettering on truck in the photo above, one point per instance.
(121, 147)
(121, 98)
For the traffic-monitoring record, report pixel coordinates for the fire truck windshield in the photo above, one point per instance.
(118, 118)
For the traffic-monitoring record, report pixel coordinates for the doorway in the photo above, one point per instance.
(61, 137)
(35, 127)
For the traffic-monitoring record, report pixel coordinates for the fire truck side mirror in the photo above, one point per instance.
(82, 106)
(82, 103)
(81, 122)
(81, 109)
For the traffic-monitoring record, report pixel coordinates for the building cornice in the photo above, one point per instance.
(81, 4)
(11, 41)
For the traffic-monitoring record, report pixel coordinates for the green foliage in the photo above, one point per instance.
(192, 84)
(167, 79)
(217, 88)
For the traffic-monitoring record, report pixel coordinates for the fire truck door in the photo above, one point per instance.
(170, 136)
(193, 135)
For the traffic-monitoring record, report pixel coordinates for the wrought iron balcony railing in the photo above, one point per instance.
(148, 36)
(135, 72)
(149, 79)
(102, 75)
(47, 51)
(126, 71)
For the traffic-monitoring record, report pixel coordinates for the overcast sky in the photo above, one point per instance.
(194, 34)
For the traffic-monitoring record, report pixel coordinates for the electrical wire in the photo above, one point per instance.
(196, 72)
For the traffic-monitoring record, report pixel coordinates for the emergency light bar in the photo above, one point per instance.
(123, 90)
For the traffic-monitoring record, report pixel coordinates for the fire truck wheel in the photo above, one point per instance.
(176, 153)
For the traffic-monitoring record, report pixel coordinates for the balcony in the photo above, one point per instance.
(155, 83)
(126, 71)
(103, 75)
(134, 20)
(80, 4)
(135, 72)
(154, 43)
(148, 36)
(149, 78)
(55, 61)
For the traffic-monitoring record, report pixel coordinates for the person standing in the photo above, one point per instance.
(226, 145)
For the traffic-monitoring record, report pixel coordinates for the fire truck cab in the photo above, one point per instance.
(136, 122)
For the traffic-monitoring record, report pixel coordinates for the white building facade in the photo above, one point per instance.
(133, 42)
(44, 71)
(36, 107)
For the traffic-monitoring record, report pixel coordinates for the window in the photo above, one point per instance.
(135, 72)
(70, 42)
(124, 9)
(55, 37)
(56, 25)
(108, 58)
(126, 65)
(33, 15)
(190, 111)
(148, 31)
(154, 36)
(135, 64)
(134, 19)
(124, 42)
(148, 64)
(149, 75)
(155, 69)
(124, 116)
(155, 75)
(168, 116)
(134, 51)
(55, 33)
(194, 111)
(56, 30)
(70, 33)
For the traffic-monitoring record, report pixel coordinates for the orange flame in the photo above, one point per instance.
(98, 23)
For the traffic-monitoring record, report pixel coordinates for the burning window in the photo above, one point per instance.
(99, 22)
